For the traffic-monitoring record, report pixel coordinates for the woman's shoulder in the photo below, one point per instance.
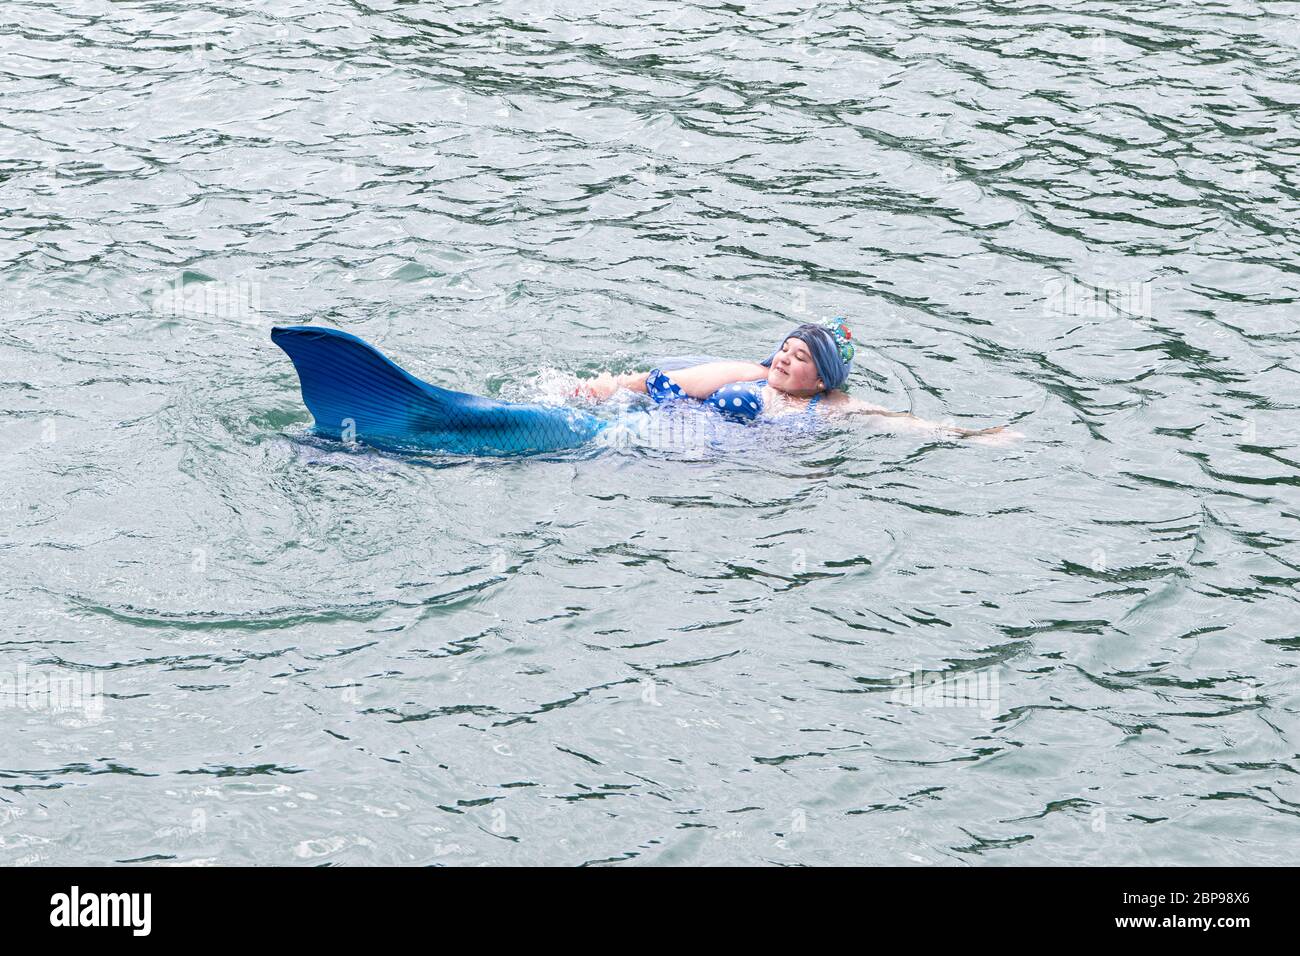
(837, 402)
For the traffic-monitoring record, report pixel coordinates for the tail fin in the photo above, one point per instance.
(351, 388)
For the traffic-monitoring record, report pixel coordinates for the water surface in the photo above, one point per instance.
(1076, 217)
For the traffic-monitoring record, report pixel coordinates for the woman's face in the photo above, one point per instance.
(793, 370)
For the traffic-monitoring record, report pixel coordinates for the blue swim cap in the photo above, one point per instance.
(831, 347)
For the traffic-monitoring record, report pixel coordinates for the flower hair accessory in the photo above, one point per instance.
(843, 338)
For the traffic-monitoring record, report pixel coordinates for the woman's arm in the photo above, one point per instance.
(848, 405)
(698, 381)
(701, 381)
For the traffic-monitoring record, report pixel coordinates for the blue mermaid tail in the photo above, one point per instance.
(354, 391)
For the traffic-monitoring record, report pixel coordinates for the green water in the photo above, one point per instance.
(1076, 217)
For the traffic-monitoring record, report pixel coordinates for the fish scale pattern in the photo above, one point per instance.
(355, 392)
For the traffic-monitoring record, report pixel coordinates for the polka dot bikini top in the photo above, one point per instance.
(740, 401)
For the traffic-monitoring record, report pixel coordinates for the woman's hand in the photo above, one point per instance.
(599, 388)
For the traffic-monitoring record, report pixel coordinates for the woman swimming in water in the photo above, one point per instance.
(356, 393)
(804, 375)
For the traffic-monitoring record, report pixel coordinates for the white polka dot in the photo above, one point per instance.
(736, 402)
(721, 403)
